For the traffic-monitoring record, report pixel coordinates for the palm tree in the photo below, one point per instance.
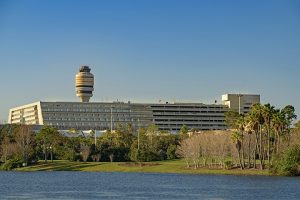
(241, 124)
(267, 114)
(249, 129)
(257, 119)
(278, 124)
(237, 138)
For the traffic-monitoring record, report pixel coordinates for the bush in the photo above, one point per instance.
(228, 164)
(171, 152)
(12, 164)
(287, 162)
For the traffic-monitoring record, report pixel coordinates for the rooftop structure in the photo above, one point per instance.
(240, 103)
(84, 84)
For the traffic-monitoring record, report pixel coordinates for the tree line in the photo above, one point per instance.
(19, 145)
(261, 133)
(258, 139)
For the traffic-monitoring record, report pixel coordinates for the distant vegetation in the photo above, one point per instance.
(262, 139)
(21, 147)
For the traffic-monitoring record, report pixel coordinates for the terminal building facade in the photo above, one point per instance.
(103, 116)
(87, 115)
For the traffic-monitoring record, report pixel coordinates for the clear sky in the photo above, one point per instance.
(146, 50)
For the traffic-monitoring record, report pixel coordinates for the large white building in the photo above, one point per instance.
(87, 115)
(101, 116)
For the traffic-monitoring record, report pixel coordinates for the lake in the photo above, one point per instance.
(93, 185)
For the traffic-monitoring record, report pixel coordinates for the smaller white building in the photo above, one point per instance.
(240, 102)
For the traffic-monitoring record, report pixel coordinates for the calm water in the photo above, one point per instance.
(85, 185)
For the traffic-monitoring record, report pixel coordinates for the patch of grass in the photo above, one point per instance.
(170, 166)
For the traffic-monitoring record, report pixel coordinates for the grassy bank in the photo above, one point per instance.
(173, 166)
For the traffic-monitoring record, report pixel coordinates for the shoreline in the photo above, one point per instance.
(164, 167)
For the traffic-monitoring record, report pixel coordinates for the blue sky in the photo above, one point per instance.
(146, 50)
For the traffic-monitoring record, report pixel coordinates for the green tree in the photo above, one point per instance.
(171, 152)
(231, 118)
(7, 146)
(71, 149)
(296, 134)
(115, 146)
(25, 142)
(279, 125)
(17, 145)
(289, 113)
(287, 162)
(237, 138)
(268, 112)
(151, 144)
(48, 140)
(256, 116)
(249, 130)
(184, 129)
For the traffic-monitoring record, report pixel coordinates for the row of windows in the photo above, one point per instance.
(192, 112)
(183, 120)
(186, 115)
(192, 125)
(91, 124)
(84, 110)
(23, 111)
(31, 121)
(84, 105)
(188, 122)
(89, 115)
(85, 115)
(107, 108)
(187, 107)
(88, 119)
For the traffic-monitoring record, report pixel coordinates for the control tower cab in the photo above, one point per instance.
(84, 84)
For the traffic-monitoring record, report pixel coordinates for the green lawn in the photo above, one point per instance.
(173, 166)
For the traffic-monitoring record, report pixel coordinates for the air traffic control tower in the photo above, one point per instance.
(84, 84)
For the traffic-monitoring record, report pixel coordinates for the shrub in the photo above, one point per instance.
(12, 164)
(287, 162)
(228, 164)
(171, 152)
